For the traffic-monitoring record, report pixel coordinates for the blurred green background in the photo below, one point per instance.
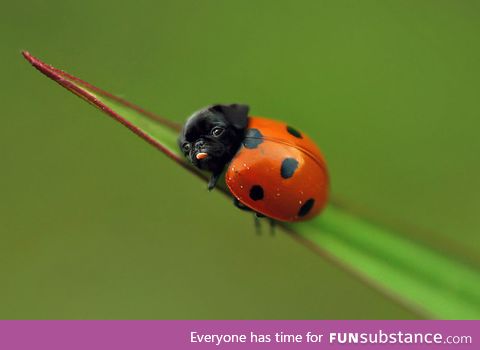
(94, 223)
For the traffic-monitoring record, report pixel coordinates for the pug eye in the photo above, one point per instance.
(217, 131)
(186, 147)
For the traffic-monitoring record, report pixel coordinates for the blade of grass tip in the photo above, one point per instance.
(412, 275)
(158, 131)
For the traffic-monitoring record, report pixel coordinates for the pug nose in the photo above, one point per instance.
(199, 144)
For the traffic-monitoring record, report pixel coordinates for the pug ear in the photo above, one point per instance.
(235, 114)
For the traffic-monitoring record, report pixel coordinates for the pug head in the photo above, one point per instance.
(211, 136)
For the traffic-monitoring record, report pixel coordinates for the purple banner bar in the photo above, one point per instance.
(201, 335)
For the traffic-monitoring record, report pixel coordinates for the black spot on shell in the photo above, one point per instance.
(289, 165)
(256, 192)
(306, 207)
(253, 137)
(294, 132)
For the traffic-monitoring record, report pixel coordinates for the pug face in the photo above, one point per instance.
(211, 137)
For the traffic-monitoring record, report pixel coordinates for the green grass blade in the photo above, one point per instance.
(432, 284)
(158, 131)
(420, 278)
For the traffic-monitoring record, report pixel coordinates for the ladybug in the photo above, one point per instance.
(270, 167)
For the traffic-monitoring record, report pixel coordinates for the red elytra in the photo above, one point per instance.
(278, 172)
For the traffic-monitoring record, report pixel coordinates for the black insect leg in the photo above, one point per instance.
(258, 228)
(240, 205)
(213, 181)
(273, 224)
(256, 217)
